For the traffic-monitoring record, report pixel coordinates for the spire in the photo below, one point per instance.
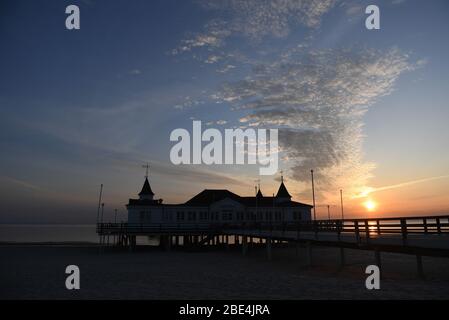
(259, 194)
(146, 192)
(282, 192)
(146, 189)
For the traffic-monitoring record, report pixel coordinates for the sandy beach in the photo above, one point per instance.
(37, 272)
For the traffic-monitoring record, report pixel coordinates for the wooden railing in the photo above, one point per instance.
(365, 228)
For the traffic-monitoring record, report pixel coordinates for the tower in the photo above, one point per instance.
(146, 193)
(283, 195)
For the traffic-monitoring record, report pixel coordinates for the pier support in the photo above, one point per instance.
(268, 244)
(168, 243)
(244, 245)
(131, 243)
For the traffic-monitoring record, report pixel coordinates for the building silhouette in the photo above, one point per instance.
(217, 206)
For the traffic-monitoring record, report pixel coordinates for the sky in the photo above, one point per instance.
(367, 110)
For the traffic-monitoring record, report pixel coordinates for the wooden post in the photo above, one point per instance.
(131, 244)
(404, 231)
(169, 242)
(357, 234)
(438, 225)
(367, 231)
(339, 226)
(419, 266)
(425, 225)
(378, 226)
(268, 244)
(244, 245)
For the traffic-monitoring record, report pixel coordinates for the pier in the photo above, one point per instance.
(419, 236)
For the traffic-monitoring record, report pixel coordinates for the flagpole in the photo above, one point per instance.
(313, 195)
(99, 202)
(341, 201)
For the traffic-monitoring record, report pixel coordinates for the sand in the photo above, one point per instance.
(37, 272)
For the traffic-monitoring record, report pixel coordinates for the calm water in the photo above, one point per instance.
(56, 233)
(47, 233)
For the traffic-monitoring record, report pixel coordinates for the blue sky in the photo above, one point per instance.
(85, 107)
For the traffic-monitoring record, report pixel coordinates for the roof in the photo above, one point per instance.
(146, 189)
(282, 192)
(208, 196)
(145, 202)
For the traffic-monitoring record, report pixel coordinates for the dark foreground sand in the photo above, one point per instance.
(37, 272)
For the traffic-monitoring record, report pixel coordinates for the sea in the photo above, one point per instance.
(48, 233)
(55, 233)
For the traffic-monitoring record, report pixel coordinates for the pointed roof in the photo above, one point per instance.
(146, 189)
(282, 192)
(208, 196)
(259, 194)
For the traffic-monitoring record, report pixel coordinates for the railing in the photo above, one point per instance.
(359, 227)
(120, 228)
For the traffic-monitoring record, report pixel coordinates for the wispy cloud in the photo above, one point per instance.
(135, 72)
(255, 19)
(318, 98)
(370, 190)
(21, 183)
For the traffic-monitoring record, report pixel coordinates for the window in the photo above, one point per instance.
(180, 215)
(145, 215)
(191, 215)
(277, 216)
(226, 215)
(296, 215)
(205, 215)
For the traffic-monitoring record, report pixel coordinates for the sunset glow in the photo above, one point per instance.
(370, 205)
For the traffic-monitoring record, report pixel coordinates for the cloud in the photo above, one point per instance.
(370, 190)
(218, 122)
(354, 10)
(21, 183)
(135, 72)
(317, 98)
(255, 19)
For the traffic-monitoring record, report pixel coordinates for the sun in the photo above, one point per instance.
(370, 205)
